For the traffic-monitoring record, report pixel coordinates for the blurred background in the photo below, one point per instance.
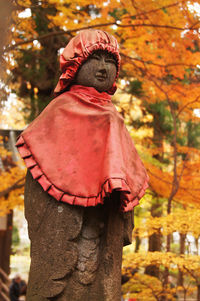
(159, 97)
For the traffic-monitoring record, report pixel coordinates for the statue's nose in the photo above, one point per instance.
(102, 66)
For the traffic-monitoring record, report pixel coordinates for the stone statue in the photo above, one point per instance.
(84, 179)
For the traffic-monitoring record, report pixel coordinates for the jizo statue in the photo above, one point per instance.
(84, 179)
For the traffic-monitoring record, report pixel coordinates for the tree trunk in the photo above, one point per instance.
(198, 292)
(182, 251)
(5, 243)
(156, 209)
(137, 242)
(154, 241)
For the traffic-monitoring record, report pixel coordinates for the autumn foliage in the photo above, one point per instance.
(12, 181)
(158, 96)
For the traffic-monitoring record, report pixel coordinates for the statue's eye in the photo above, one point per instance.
(95, 57)
(99, 57)
(110, 60)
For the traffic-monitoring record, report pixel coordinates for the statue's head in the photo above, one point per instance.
(98, 71)
(90, 59)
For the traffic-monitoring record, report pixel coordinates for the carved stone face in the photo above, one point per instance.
(99, 71)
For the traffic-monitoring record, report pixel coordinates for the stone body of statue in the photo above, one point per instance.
(84, 179)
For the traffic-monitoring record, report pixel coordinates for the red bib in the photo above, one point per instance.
(79, 150)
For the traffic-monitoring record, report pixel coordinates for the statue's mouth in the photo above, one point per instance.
(101, 77)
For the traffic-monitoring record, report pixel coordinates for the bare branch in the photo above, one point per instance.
(192, 274)
(154, 10)
(63, 32)
(14, 186)
(155, 64)
(187, 104)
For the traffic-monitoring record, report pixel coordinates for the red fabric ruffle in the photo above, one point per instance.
(108, 187)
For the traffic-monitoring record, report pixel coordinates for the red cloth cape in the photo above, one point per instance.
(79, 150)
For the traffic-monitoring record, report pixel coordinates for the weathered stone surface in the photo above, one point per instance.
(83, 264)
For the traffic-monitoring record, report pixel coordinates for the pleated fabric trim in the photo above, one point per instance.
(128, 202)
